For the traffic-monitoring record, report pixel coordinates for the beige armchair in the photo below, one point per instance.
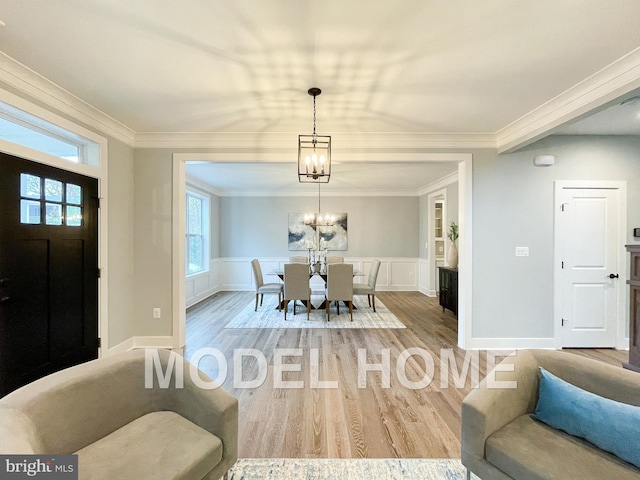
(300, 259)
(296, 286)
(103, 412)
(369, 288)
(339, 287)
(262, 288)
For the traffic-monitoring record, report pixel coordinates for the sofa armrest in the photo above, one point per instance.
(486, 410)
(215, 410)
(18, 433)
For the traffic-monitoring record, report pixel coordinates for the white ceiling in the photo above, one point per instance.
(207, 66)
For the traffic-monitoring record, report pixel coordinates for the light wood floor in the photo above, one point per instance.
(347, 421)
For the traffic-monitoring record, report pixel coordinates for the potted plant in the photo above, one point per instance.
(452, 255)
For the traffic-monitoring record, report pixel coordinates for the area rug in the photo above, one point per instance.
(268, 316)
(350, 469)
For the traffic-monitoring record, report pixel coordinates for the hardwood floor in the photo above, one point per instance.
(348, 420)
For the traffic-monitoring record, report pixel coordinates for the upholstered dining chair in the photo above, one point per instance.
(369, 288)
(335, 260)
(296, 286)
(299, 260)
(339, 287)
(261, 287)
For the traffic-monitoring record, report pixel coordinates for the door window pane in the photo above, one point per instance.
(52, 190)
(29, 212)
(53, 214)
(29, 186)
(74, 194)
(74, 216)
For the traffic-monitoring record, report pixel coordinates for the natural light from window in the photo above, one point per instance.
(27, 130)
(197, 233)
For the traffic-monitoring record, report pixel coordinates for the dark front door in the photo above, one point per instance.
(48, 270)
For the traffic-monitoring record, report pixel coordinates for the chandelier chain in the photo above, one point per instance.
(314, 115)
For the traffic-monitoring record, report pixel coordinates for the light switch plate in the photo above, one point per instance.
(522, 251)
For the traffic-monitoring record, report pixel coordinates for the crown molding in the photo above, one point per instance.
(325, 193)
(611, 82)
(439, 184)
(23, 79)
(286, 142)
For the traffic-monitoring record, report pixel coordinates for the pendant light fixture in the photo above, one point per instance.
(314, 152)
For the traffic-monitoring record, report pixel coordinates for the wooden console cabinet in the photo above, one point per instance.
(448, 288)
(634, 310)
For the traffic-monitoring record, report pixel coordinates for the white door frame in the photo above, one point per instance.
(465, 203)
(622, 335)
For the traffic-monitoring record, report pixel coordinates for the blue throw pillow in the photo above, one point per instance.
(610, 425)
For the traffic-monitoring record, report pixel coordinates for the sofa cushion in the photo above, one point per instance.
(526, 448)
(157, 445)
(610, 425)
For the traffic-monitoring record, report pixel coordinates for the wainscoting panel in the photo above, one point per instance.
(199, 287)
(395, 273)
(404, 275)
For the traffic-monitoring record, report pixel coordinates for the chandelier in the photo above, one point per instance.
(314, 152)
(317, 219)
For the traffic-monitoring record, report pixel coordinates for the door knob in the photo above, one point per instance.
(4, 299)
(614, 275)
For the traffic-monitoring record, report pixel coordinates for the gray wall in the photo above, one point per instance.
(214, 226)
(513, 206)
(377, 226)
(121, 243)
(153, 241)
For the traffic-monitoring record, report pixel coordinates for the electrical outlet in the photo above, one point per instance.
(522, 251)
(157, 312)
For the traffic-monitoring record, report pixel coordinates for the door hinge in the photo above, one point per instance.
(99, 342)
(562, 265)
(563, 322)
(99, 272)
(97, 199)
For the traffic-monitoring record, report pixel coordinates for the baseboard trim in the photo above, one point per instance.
(143, 342)
(476, 343)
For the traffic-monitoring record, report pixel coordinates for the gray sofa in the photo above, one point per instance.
(102, 411)
(501, 441)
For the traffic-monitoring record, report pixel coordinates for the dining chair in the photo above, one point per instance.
(369, 288)
(339, 287)
(304, 260)
(262, 288)
(335, 260)
(296, 286)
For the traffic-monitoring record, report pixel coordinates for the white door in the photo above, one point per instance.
(588, 243)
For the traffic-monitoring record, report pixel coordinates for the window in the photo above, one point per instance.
(197, 233)
(60, 202)
(22, 128)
